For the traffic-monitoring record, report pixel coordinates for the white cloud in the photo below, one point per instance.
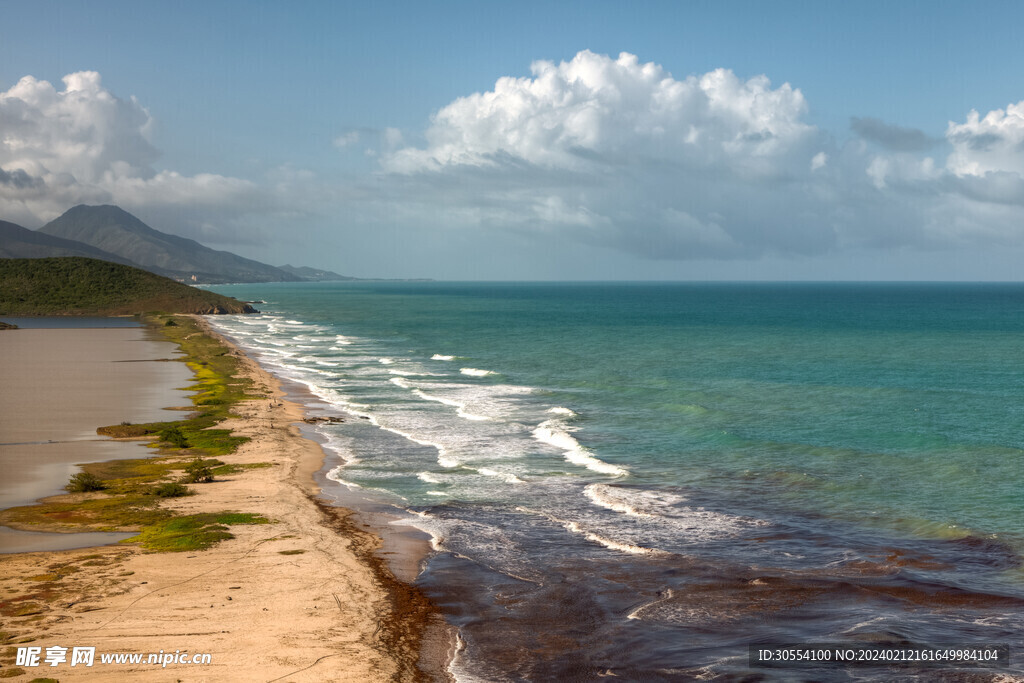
(622, 154)
(594, 110)
(83, 144)
(82, 131)
(992, 144)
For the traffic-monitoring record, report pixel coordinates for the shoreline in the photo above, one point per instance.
(306, 597)
(395, 557)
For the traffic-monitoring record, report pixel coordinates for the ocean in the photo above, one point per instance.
(643, 480)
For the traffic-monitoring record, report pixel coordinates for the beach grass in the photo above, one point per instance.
(236, 468)
(192, 532)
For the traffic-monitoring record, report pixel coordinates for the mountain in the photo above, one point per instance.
(114, 230)
(19, 242)
(85, 286)
(313, 274)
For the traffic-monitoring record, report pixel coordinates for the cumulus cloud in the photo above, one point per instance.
(594, 111)
(622, 154)
(83, 144)
(82, 131)
(994, 144)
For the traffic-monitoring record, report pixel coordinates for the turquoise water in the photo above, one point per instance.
(800, 428)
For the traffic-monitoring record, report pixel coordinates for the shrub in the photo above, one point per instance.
(172, 490)
(174, 436)
(84, 481)
(198, 471)
(170, 323)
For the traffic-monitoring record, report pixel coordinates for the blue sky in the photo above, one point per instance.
(310, 132)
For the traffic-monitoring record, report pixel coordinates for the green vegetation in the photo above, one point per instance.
(7, 326)
(84, 482)
(173, 436)
(133, 476)
(240, 467)
(172, 489)
(84, 286)
(105, 511)
(192, 532)
(133, 489)
(199, 471)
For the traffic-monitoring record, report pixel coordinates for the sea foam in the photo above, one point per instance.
(508, 477)
(428, 478)
(559, 410)
(555, 433)
(611, 544)
(335, 475)
(632, 501)
(460, 408)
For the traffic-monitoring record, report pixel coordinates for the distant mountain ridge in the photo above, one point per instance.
(114, 230)
(19, 242)
(110, 233)
(314, 274)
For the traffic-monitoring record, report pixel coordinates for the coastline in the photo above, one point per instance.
(306, 597)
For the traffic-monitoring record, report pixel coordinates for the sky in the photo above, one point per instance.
(533, 140)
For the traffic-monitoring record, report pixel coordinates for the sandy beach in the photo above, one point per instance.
(304, 598)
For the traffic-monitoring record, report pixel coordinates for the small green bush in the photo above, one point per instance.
(172, 490)
(174, 436)
(170, 323)
(83, 482)
(198, 471)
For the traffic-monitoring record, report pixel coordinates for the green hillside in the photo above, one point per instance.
(85, 286)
